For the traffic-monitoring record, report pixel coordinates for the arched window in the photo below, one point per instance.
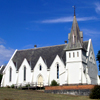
(24, 73)
(57, 71)
(10, 74)
(40, 67)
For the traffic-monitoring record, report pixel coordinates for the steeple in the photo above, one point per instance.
(76, 36)
(74, 10)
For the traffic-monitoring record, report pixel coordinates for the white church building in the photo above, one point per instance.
(72, 63)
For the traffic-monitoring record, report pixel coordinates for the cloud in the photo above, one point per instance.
(67, 19)
(90, 32)
(97, 9)
(2, 41)
(28, 46)
(5, 54)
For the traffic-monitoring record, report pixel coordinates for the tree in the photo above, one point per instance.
(98, 58)
(0, 78)
(95, 92)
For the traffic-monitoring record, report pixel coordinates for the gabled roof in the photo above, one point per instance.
(1, 70)
(85, 45)
(47, 53)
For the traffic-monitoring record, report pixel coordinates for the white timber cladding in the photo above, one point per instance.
(53, 71)
(75, 67)
(20, 79)
(6, 81)
(43, 72)
(70, 58)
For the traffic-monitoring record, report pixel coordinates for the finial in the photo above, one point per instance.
(74, 9)
(35, 46)
(65, 41)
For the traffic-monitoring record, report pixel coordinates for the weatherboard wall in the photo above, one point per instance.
(53, 71)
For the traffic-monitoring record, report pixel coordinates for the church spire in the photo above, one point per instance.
(74, 10)
(76, 36)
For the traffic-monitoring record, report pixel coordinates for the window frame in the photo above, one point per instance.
(10, 74)
(24, 73)
(40, 67)
(57, 71)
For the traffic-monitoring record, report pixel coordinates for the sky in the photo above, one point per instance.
(24, 23)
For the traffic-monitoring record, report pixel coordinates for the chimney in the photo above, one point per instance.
(35, 46)
(65, 41)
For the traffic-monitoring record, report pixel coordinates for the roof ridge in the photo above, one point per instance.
(42, 47)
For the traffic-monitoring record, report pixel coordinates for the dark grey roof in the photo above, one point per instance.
(85, 45)
(47, 53)
(2, 69)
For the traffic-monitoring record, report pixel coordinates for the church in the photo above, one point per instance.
(68, 64)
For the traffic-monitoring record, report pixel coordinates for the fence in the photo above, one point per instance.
(33, 85)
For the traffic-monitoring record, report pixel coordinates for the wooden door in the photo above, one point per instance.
(40, 81)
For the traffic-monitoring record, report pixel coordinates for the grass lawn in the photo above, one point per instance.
(15, 94)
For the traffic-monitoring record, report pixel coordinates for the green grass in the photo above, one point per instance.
(15, 94)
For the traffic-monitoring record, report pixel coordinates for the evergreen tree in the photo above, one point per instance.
(98, 58)
(0, 78)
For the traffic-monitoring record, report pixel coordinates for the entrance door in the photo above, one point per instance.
(40, 81)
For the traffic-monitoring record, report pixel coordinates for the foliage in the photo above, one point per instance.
(54, 83)
(8, 86)
(27, 85)
(12, 86)
(95, 92)
(0, 77)
(98, 58)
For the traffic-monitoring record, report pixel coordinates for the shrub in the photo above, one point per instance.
(12, 86)
(27, 85)
(8, 86)
(95, 92)
(54, 83)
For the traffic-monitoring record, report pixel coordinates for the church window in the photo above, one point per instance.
(40, 67)
(24, 73)
(77, 54)
(57, 71)
(73, 54)
(10, 74)
(69, 55)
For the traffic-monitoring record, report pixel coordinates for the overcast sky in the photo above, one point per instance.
(24, 23)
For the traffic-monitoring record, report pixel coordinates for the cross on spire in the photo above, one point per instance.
(74, 10)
